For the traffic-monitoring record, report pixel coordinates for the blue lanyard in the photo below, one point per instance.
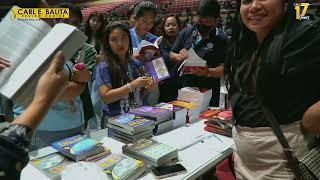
(135, 38)
(130, 74)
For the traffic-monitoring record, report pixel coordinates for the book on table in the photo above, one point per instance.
(128, 169)
(159, 115)
(151, 151)
(51, 165)
(126, 138)
(109, 162)
(132, 123)
(29, 46)
(179, 113)
(78, 147)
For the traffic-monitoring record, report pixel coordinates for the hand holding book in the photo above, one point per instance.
(52, 81)
(141, 82)
(193, 64)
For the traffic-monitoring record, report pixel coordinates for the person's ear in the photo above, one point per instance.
(134, 17)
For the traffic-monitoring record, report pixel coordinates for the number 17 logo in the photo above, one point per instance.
(304, 10)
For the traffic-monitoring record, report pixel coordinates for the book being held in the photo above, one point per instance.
(153, 63)
(147, 49)
(29, 45)
(193, 61)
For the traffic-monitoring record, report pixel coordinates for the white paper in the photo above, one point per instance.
(18, 38)
(193, 60)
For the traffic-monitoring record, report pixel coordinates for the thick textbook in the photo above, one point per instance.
(29, 45)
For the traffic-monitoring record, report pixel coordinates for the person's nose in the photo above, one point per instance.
(255, 5)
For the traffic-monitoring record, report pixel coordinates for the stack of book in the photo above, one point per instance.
(156, 114)
(220, 124)
(192, 108)
(178, 118)
(160, 116)
(151, 152)
(129, 128)
(81, 148)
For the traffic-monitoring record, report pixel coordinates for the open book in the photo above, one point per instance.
(154, 65)
(193, 61)
(148, 49)
(29, 45)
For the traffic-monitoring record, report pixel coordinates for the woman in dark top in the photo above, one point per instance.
(169, 88)
(271, 64)
(94, 30)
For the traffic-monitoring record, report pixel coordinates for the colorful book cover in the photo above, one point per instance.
(78, 147)
(128, 168)
(131, 122)
(157, 69)
(150, 112)
(109, 162)
(169, 106)
(51, 165)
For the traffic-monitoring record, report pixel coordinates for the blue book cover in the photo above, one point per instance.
(78, 147)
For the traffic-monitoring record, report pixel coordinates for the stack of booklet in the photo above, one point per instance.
(151, 152)
(128, 128)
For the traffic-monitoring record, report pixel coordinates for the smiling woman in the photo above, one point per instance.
(271, 64)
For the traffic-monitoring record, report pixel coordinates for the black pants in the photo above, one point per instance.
(169, 89)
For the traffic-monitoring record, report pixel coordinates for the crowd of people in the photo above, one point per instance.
(269, 62)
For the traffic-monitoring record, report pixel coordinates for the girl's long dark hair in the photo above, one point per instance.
(118, 76)
(99, 34)
(244, 44)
